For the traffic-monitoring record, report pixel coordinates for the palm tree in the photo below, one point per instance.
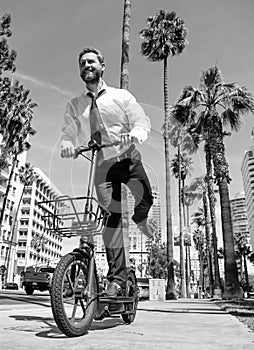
(16, 109)
(242, 249)
(193, 132)
(181, 167)
(200, 184)
(124, 81)
(27, 176)
(213, 106)
(164, 36)
(198, 239)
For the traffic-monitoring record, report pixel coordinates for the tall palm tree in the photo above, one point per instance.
(181, 167)
(199, 184)
(242, 249)
(26, 176)
(213, 106)
(192, 131)
(124, 84)
(198, 239)
(165, 36)
(16, 109)
(124, 80)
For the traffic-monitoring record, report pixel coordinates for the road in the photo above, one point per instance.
(14, 297)
(185, 324)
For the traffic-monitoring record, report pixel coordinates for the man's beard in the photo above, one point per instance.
(90, 76)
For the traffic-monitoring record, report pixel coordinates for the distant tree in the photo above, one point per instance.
(243, 250)
(16, 109)
(212, 107)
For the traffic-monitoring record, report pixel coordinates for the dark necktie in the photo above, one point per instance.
(96, 123)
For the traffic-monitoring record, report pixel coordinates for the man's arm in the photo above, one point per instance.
(139, 122)
(70, 131)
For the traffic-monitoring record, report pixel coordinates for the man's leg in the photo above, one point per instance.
(109, 194)
(141, 189)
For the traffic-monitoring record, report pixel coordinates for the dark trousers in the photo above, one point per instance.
(109, 177)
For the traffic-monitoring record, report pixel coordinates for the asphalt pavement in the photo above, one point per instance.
(193, 324)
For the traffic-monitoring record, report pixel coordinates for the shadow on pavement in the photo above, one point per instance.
(52, 331)
(44, 300)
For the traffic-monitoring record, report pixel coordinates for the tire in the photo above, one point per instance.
(73, 309)
(29, 290)
(131, 291)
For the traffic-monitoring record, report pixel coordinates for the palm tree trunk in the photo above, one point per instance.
(7, 191)
(201, 265)
(208, 250)
(13, 232)
(187, 270)
(182, 258)
(217, 291)
(124, 81)
(246, 275)
(170, 290)
(232, 285)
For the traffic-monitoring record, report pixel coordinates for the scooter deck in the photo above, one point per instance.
(116, 300)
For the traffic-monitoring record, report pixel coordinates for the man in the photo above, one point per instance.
(118, 117)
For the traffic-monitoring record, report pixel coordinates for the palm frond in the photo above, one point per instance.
(229, 117)
(165, 35)
(210, 77)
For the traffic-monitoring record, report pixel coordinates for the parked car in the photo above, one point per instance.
(10, 285)
(39, 279)
(143, 285)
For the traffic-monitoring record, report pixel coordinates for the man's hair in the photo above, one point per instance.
(91, 49)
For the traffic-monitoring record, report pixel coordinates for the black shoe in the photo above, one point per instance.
(113, 290)
(145, 229)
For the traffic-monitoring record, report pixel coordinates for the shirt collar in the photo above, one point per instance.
(103, 87)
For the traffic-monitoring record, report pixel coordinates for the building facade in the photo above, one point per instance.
(36, 245)
(247, 169)
(241, 226)
(7, 236)
(33, 244)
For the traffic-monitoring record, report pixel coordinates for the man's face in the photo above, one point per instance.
(90, 68)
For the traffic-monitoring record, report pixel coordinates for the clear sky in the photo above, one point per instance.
(49, 34)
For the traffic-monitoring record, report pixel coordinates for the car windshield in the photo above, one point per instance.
(47, 269)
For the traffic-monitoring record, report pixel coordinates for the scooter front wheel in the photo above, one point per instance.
(73, 300)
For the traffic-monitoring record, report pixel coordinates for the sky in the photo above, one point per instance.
(48, 36)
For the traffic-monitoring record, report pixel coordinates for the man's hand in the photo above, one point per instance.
(127, 140)
(67, 149)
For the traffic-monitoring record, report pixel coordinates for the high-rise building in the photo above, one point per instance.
(247, 169)
(36, 245)
(239, 214)
(240, 223)
(7, 240)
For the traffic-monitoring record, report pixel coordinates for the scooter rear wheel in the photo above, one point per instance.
(131, 291)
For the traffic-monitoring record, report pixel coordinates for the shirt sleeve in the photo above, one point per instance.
(139, 122)
(71, 125)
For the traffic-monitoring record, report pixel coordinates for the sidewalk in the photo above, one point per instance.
(183, 324)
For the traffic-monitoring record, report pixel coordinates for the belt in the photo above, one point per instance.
(125, 155)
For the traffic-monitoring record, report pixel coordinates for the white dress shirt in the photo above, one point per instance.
(120, 114)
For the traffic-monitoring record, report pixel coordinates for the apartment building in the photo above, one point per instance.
(7, 240)
(36, 245)
(240, 221)
(247, 169)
